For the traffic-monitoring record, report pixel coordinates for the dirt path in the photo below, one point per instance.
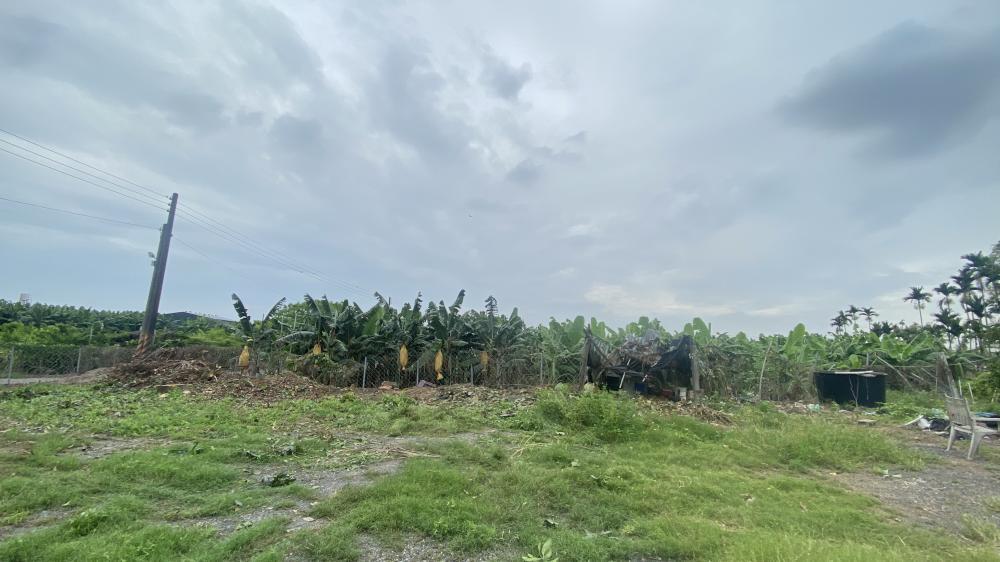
(948, 488)
(91, 376)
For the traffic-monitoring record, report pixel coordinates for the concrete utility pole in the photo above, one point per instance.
(148, 331)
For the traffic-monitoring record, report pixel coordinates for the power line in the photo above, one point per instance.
(194, 216)
(217, 261)
(68, 212)
(95, 168)
(44, 165)
(206, 256)
(85, 172)
(271, 256)
(278, 257)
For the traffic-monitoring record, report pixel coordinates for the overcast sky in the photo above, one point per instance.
(755, 163)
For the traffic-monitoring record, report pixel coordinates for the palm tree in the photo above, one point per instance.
(852, 313)
(881, 328)
(869, 314)
(964, 286)
(839, 321)
(918, 297)
(979, 265)
(946, 290)
(952, 325)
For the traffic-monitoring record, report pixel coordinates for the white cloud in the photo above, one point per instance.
(560, 165)
(619, 300)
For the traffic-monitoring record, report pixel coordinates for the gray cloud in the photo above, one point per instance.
(297, 135)
(504, 79)
(405, 101)
(377, 144)
(914, 89)
(526, 172)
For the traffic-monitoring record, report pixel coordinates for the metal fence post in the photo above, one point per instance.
(79, 357)
(364, 373)
(10, 363)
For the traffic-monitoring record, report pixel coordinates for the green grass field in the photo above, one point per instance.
(599, 476)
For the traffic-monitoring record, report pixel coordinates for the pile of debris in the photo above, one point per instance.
(151, 370)
(264, 389)
(196, 377)
(471, 394)
(428, 393)
(692, 409)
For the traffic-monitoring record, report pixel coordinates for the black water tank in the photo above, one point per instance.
(864, 388)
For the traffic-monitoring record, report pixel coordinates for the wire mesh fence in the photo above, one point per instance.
(39, 361)
(20, 361)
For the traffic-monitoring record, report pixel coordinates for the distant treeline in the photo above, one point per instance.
(46, 324)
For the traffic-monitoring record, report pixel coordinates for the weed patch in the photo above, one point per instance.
(595, 474)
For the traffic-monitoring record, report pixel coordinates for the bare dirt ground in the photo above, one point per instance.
(102, 446)
(324, 482)
(92, 376)
(386, 456)
(43, 518)
(946, 489)
(420, 549)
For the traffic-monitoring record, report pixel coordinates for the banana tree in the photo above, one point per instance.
(404, 331)
(503, 341)
(699, 330)
(448, 333)
(258, 336)
(561, 344)
(341, 329)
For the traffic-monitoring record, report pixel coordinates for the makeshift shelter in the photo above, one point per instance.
(647, 364)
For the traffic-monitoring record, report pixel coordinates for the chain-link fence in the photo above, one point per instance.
(38, 361)
(27, 360)
(465, 367)
(461, 367)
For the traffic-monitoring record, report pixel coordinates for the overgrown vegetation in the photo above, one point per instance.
(45, 324)
(438, 341)
(598, 475)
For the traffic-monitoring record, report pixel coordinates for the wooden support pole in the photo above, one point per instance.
(585, 358)
(148, 331)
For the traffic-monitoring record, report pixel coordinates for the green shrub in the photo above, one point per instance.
(986, 386)
(324, 370)
(610, 417)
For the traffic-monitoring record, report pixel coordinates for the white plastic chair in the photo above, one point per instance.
(962, 421)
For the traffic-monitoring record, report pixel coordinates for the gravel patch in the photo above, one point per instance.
(937, 496)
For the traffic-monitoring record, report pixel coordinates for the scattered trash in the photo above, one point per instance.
(252, 455)
(308, 519)
(550, 523)
(422, 383)
(814, 408)
(935, 424)
(289, 450)
(991, 415)
(278, 480)
(865, 421)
